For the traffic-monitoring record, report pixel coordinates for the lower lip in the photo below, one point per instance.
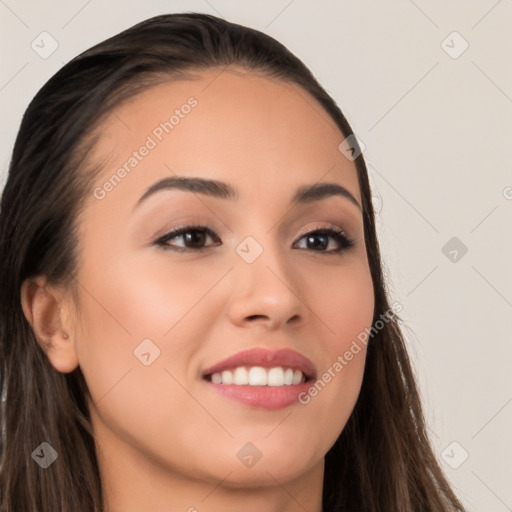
(262, 397)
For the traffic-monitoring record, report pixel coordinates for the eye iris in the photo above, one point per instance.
(323, 243)
(194, 238)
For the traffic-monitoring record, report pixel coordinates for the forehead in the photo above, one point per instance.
(263, 134)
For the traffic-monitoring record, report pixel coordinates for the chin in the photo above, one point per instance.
(262, 463)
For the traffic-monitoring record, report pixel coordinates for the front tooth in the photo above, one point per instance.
(288, 376)
(297, 377)
(227, 377)
(241, 376)
(257, 376)
(275, 377)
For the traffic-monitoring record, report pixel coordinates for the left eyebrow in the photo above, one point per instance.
(219, 189)
(310, 193)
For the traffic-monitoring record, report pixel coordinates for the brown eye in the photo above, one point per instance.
(318, 240)
(193, 237)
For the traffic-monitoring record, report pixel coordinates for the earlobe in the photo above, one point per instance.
(42, 306)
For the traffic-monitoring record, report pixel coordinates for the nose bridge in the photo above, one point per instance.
(265, 286)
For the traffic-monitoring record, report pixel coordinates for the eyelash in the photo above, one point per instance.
(345, 242)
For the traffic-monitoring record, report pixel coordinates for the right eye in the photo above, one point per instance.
(193, 236)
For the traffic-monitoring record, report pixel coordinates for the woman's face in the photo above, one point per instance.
(154, 323)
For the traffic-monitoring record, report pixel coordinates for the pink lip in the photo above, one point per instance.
(264, 397)
(267, 359)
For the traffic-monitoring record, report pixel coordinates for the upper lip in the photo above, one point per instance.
(266, 359)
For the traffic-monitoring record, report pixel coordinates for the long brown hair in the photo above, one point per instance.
(382, 460)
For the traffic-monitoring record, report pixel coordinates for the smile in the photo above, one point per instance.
(259, 376)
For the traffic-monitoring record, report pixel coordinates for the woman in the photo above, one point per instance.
(194, 315)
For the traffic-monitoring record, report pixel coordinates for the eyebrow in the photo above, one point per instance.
(303, 195)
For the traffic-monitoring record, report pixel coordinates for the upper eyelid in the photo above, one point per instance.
(320, 228)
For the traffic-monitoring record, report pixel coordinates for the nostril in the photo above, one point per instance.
(256, 316)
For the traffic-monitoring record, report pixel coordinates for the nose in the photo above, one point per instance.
(266, 292)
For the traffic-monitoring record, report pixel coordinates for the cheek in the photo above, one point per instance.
(343, 302)
(125, 301)
(346, 309)
(137, 401)
(143, 298)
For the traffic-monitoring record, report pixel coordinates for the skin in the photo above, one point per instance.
(165, 440)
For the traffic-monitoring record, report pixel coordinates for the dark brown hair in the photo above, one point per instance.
(382, 460)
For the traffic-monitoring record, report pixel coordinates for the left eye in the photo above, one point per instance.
(320, 238)
(194, 238)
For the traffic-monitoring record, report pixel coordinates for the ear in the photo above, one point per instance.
(46, 309)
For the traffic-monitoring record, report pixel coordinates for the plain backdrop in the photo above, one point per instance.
(427, 87)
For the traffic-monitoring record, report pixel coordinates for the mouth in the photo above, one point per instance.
(262, 367)
(262, 378)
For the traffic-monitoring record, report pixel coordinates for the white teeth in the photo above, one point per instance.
(259, 376)
(276, 377)
(241, 376)
(227, 377)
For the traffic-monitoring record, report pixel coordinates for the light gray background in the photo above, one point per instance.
(438, 137)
